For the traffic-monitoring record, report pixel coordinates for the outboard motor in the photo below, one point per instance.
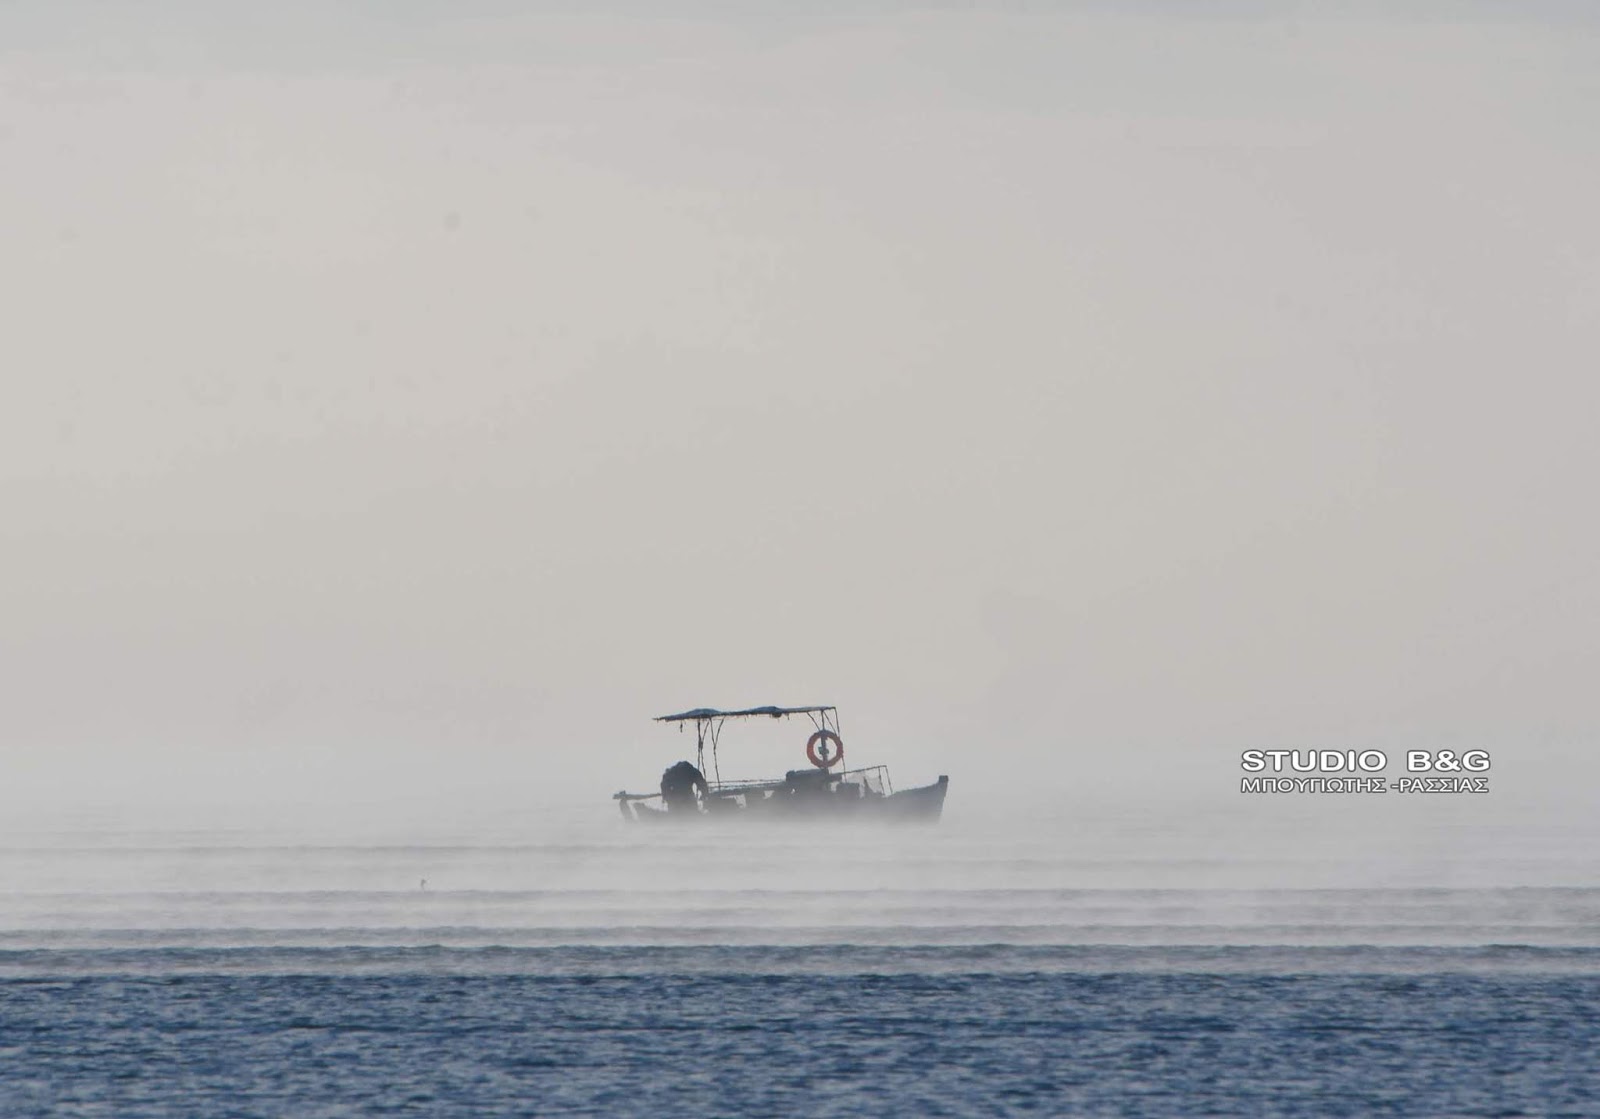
(678, 786)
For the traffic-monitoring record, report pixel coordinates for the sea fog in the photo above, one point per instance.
(1293, 871)
(1278, 955)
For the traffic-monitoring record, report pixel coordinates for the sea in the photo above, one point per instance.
(978, 968)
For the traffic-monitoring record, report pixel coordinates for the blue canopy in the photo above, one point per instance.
(713, 713)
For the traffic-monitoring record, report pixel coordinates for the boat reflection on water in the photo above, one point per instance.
(827, 790)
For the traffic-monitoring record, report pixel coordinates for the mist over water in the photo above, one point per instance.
(1024, 957)
(1266, 873)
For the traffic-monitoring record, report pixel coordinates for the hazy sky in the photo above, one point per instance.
(425, 396)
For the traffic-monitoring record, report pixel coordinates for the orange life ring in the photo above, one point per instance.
(821, 761)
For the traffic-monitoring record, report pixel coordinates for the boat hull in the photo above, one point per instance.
(922, 805)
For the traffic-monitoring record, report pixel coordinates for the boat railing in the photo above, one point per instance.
(874, 778)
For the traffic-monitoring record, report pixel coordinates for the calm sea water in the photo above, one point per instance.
(954, 972)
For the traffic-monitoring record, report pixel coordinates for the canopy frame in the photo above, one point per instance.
(708, 727)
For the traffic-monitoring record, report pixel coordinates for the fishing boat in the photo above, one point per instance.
(825, 789)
